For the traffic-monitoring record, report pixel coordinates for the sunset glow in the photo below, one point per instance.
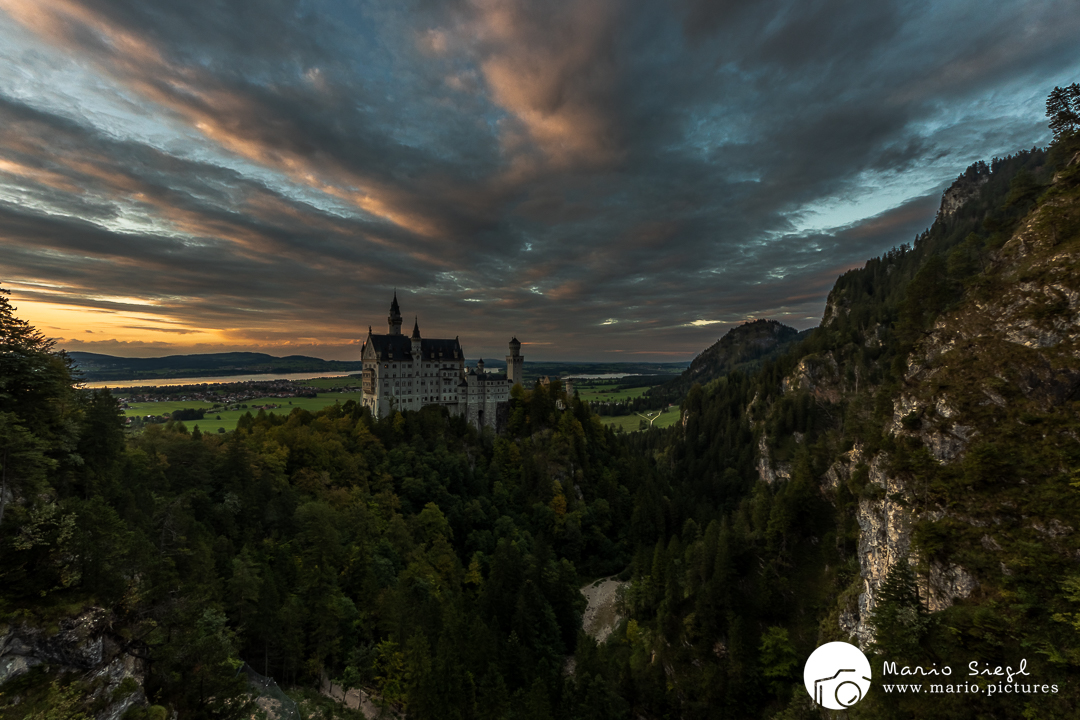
(598, 177)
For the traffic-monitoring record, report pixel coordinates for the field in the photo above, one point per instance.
(599, 391)
(229, 418)
(632, 423)
(606, 390)
(327, 383)
(163, 407)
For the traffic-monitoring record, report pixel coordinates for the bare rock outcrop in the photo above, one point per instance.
(945, 584)
(884, 539)
(818, 375)
(769, 472)
(84, 644)
(965, 188)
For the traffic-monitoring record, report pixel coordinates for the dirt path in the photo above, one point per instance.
(601, 615)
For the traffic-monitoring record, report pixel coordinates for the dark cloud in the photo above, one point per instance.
(596, 176)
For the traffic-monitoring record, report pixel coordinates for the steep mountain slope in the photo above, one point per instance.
(985, 419)
(974, 484)
(931, 424)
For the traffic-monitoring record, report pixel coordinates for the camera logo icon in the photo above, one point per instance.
(837, 675)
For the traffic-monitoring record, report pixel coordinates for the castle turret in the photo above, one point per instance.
(394, 321)
(514, 362)
(480, 365)
(416, 339)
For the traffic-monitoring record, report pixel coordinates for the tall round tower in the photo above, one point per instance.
(514, 362)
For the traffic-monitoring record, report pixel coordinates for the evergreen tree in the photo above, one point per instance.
(1063, 109)
(899, 620)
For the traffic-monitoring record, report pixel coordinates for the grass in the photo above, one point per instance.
(163, 407)
(592, 391)
(229, 418)
(631, 423)
(327, 383)
(609, 393)
(599, 391)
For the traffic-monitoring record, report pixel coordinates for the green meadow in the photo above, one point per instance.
(608, 392)
(226, 419)
(229, 418)
(328, 383)
(632, 423)
(164, 407)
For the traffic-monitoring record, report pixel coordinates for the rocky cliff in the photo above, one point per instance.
(964, 188)
(975, 437)
(1004, 363)
(110, 670)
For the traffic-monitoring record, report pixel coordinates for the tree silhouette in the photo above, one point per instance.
(1063, 109)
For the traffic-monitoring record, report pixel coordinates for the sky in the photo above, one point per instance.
(607, 180)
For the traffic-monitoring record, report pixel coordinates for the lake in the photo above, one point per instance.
(170, 382)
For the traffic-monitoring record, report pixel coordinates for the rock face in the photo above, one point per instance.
(83, 644)
(884, 534)
(966, 187)
(817, 375)
(1011, 349)
(884, 539)
(946, 584)
(602, 613)
(835, 306)
(885, 528)
(768, 472)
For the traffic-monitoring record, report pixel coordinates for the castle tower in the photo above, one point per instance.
(480, 365)
(394, 321)
(416, 339)
(514, 362)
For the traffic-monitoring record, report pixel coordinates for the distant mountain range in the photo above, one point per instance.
(95, 367)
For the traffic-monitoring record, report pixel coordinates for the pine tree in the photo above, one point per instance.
(899, 620)
(1063, 109)
(35, 381)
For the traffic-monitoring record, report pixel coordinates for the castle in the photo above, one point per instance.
(407, 373)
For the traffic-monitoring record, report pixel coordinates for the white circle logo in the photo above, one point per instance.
(837, 675)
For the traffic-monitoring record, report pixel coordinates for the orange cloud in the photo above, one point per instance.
(45, 177)
(236, 122)
(554, 73)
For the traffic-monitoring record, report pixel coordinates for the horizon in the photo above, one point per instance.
(493, 357)
(604, 180)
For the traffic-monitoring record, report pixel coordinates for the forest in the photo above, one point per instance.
(438, 567)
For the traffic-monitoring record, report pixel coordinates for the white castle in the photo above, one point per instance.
(407, 373)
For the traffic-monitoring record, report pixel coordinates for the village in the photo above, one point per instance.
(217, 406)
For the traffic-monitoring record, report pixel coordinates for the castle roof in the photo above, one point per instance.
(399, 347)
